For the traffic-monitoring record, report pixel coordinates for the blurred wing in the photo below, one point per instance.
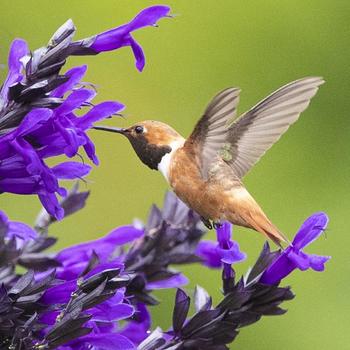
(258, 129)
(211, 131)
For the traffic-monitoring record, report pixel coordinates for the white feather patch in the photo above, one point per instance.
(164, 164)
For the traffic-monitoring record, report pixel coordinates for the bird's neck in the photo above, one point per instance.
(164, 164)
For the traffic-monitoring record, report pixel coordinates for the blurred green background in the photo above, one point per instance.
(210, 45)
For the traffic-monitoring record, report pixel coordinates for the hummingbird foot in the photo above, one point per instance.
(217, 225)
(207, 223)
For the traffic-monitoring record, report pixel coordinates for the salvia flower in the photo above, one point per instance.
(293, 257)
(212, 327)
(137, 329)
(101, 294)
(225, 251)
(171, 238)
(15, 230)
(97, 294)
(121, 36)
(245, 301)
(38, 109)
(51, 307)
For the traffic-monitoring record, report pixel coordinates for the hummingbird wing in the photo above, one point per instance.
(257, 130)
(211, 131)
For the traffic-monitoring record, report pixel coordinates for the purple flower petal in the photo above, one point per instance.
(49, 318)
(171, 282)
(137, 330)
(210, 255)
(33, 120)
(103, 247)
(18, 50)
(71, 170)
(279, 269)
(20, 230)
(120, 36)
(69, 272)
(223, 233)
(98, 112)
(231, 255)
(23, 185)
(293, 257)
(34, 164)
(317, 261)
(225, 251)
(148, 17)
(13, 229)
(75, 75)
(89, 148)
(117, 298)
(310, 230)
(138, 53)
(74, 101)
(103, 341)
(106, 313)
(51, 204)
(60, 293)
(4, 222)
(299, 259)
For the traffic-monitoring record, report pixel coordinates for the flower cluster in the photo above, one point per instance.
(244, 302)
(78, 297)
(97, 295)
(38, 109)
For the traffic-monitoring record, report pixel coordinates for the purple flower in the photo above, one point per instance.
(99, 304)
(293, 257)
(90, 259)
(96, 298)
(224, 253)
(18, 231)
(171, 237)
(18, 51)
(38, 106)
(138, 328)
(121, 36)
(93, 262)
(101, 341)
(178, 279)
(74, 260)
(45, 133)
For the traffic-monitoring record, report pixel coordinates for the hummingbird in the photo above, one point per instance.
(205, 170)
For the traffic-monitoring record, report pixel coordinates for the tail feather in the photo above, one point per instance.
(263, 225)
(245, 211)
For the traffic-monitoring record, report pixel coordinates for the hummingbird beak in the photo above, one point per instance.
(106, 128)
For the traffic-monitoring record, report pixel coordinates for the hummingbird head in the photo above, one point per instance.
(151, 140)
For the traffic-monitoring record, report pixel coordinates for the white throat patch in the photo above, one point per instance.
(164, 164)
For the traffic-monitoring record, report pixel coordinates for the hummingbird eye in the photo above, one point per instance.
(139, 129)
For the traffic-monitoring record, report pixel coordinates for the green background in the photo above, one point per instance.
(210, 45)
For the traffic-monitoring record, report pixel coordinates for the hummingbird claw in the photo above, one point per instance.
(217, 225)
(207, 223)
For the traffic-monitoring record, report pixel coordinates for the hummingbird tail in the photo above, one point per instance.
(277, 237)
(245, 211)
(263, 225)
